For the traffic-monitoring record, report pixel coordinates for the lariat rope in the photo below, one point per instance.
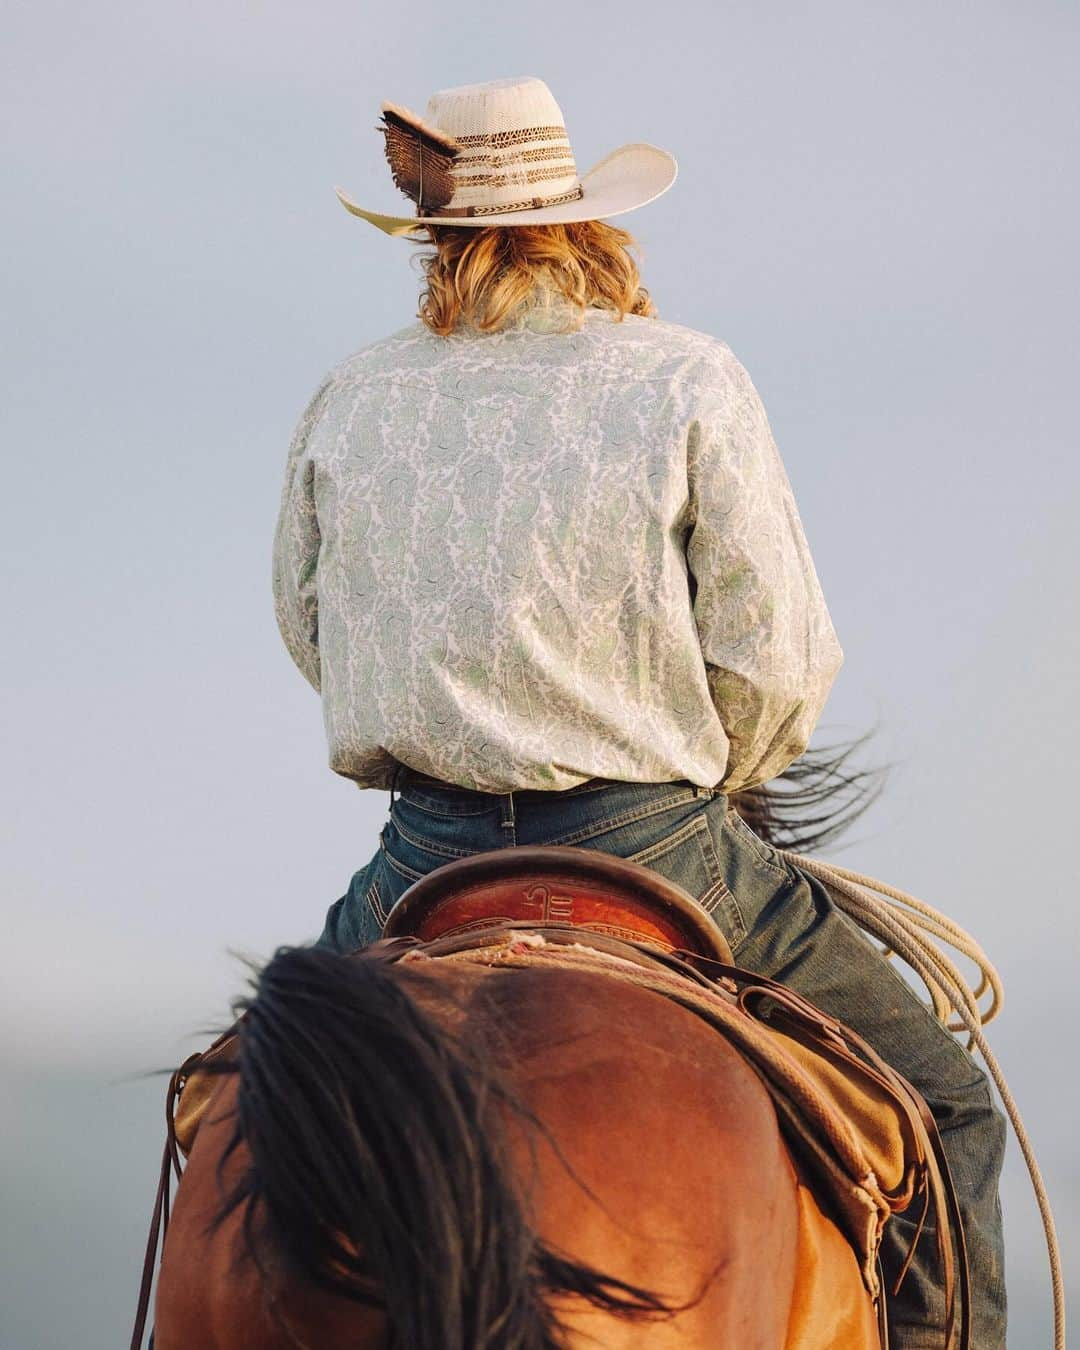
(911, 930)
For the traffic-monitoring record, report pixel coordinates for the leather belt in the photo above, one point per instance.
(406, 776)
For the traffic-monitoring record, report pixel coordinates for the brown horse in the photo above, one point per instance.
(464, 1158)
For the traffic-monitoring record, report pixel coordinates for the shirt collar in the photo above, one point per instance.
(544, 310)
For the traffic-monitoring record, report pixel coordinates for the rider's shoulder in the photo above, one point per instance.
(382, 356)
(704, 352)
(704, 364)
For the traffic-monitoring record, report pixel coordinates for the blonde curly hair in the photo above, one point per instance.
(480, 275)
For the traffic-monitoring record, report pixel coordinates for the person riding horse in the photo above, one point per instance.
(539, 554)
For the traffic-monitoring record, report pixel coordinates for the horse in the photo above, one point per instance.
(447, 1155)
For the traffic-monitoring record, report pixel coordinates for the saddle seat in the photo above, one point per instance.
(527, 886)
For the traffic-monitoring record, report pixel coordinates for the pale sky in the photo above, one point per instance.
(877, 207)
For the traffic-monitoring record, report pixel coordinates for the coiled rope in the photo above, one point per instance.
(911, 930)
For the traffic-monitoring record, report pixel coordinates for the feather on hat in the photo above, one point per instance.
(420, 156)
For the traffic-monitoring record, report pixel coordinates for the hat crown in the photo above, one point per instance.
(514, 151)
(497, 105)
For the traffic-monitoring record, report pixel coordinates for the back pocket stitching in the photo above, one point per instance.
(429, 845)
(673, 840)
(400, 868)
(758, 847)
(374, 899)
(718, 896)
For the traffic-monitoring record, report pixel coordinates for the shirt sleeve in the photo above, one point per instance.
(296, 548)
(770, 650)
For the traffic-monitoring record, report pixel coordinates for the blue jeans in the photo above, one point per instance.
(779, 922)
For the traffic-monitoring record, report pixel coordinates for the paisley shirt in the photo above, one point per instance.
(564, 550)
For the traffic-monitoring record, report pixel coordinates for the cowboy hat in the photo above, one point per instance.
(498, 154)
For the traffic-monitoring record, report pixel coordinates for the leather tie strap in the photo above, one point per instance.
(170, 1166)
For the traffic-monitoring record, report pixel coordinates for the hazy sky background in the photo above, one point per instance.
(877, 207)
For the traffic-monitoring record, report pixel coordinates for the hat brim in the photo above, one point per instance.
(629, 177)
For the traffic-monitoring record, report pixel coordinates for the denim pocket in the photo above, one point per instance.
(397, 873)
(764, 855)
(688, 857)
(390, 879)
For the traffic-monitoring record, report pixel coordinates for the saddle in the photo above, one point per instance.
(859, 1131)
(585, 889)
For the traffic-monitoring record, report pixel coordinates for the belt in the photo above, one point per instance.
(404, 775)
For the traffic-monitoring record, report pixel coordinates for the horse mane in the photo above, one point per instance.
(381, 1167)
(815, 800)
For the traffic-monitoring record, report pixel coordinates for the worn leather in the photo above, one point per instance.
(548, 884)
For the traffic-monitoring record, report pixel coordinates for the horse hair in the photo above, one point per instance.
(813, 801)
(382, 1169)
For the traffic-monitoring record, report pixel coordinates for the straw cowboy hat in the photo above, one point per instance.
(498, 154)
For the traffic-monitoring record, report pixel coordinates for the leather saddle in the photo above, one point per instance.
(531, 886)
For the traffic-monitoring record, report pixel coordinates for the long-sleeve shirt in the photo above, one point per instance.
(529, 558)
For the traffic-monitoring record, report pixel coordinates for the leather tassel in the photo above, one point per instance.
(420, 156)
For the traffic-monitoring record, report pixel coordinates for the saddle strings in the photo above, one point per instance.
(911, 930)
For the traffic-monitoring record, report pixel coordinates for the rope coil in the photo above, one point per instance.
(911, 930)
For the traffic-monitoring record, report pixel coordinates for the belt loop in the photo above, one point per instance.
(398, 766)
(508, 822)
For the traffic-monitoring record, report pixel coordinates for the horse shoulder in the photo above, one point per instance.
(670, 1171)
(211, 1293)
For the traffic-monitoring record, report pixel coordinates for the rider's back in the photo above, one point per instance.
(531, 557)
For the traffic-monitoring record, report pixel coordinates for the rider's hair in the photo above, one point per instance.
(480, 274)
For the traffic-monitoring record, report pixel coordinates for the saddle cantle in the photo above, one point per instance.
(551, 884)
